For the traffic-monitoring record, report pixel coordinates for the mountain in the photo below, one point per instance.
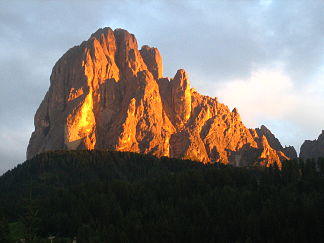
(313, 149)
(275, 143)
(107, 94)
(111, 196)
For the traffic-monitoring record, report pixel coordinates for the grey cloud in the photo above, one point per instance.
(298, 36)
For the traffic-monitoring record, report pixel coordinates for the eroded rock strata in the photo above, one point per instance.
(107, 94)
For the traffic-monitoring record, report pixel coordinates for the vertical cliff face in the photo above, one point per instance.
(313, 149)
(107, 94)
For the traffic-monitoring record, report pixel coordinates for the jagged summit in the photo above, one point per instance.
(274, 142)
(108, 94)
(312, 149)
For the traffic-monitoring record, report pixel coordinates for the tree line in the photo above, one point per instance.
(105, 196)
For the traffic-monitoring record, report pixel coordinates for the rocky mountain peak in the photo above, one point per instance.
(153, 60)
(312, 149)
(275, 143)
(107, 94)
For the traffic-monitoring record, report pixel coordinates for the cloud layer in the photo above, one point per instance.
(270, 97)
(264, 57)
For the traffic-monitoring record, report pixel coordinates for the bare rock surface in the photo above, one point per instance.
(313, 149)
(275, 143)
(107, 94)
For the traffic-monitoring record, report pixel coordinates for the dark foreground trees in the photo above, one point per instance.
(102, 196)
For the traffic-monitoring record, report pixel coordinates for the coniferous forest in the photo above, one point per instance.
(103, 196)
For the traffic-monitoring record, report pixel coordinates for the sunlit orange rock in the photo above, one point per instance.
(274, 142)
(81, 125)
(153, 60)
(107, 94)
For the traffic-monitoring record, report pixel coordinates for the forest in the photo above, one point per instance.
(109, 196)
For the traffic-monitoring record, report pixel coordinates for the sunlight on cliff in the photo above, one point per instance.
(75, 93)
(87, 118)
(81, 125)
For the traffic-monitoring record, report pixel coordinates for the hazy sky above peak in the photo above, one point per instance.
(265, 57)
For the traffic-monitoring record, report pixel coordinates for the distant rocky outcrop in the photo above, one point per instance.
(313, 149)
(274, 142)
(107, 94)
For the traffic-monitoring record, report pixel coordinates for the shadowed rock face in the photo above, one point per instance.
(106, 94)
(313, 149)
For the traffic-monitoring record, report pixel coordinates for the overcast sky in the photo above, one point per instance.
(264, 57)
